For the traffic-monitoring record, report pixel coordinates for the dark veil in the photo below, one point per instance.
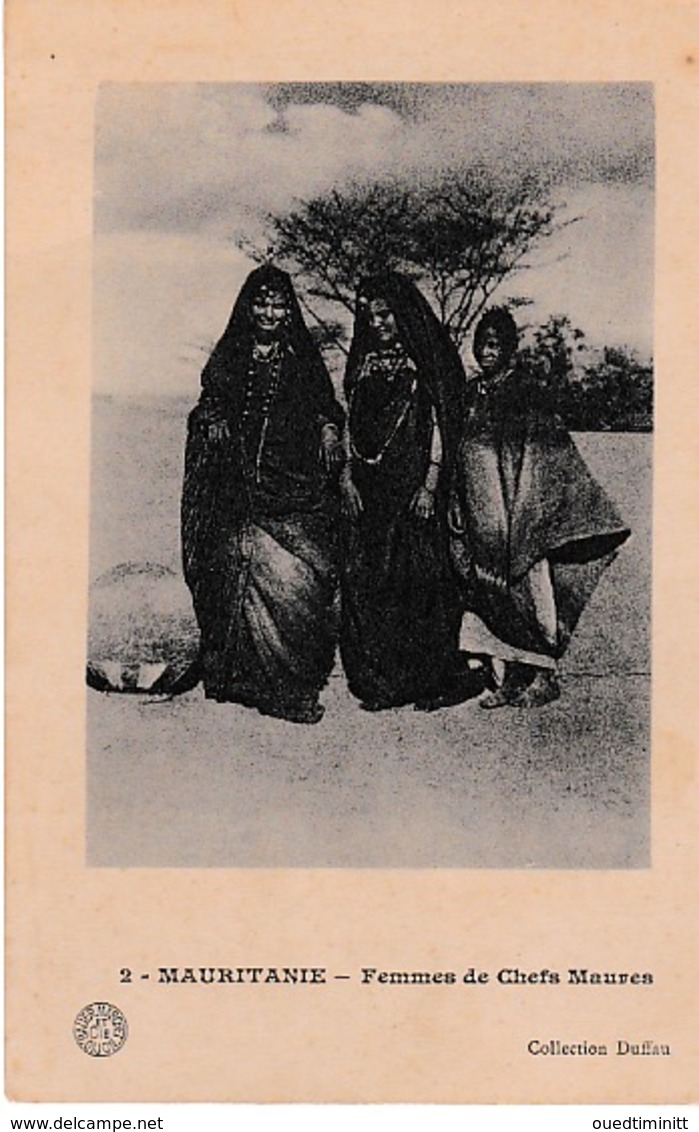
(211, 472)
(236, 340)
(426, 341)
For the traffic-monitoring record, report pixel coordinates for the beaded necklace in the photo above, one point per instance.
(387, 365)
(272, 361)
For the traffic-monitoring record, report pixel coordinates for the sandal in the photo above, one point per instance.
(544, 689)
(516, 680)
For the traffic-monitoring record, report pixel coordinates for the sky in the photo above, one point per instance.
(182, 170)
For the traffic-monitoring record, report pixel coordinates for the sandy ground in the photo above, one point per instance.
(193, 783)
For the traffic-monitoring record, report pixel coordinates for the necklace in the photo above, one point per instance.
(265, 351)
(404, 363)
(273, 362)
(386, 364)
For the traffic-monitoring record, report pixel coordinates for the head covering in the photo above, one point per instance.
(213, 471)
(501, 321)
(424, 339)
(236, 341)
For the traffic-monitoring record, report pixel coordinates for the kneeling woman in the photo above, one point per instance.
(531, 530)
(400, 605)
(260, 508)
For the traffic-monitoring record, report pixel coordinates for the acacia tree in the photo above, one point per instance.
(459, 235)
(473, 233)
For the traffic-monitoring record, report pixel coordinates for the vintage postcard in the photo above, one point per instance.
(351, 494)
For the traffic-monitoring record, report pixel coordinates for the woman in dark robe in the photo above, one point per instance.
(260, 508)
(531, 530)
(400, 604)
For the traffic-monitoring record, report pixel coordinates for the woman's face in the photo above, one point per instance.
(491, 354)
(269, 310)
(382, 322)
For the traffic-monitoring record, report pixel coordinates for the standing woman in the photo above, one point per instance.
(400, 607)
(532, 531)
(260, 508)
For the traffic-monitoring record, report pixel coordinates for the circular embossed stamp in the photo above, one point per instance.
(100, 1029)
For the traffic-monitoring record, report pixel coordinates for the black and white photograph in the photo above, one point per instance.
(371, 464)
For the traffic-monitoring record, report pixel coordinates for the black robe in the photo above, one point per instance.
(259, 519)
(400, 602)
